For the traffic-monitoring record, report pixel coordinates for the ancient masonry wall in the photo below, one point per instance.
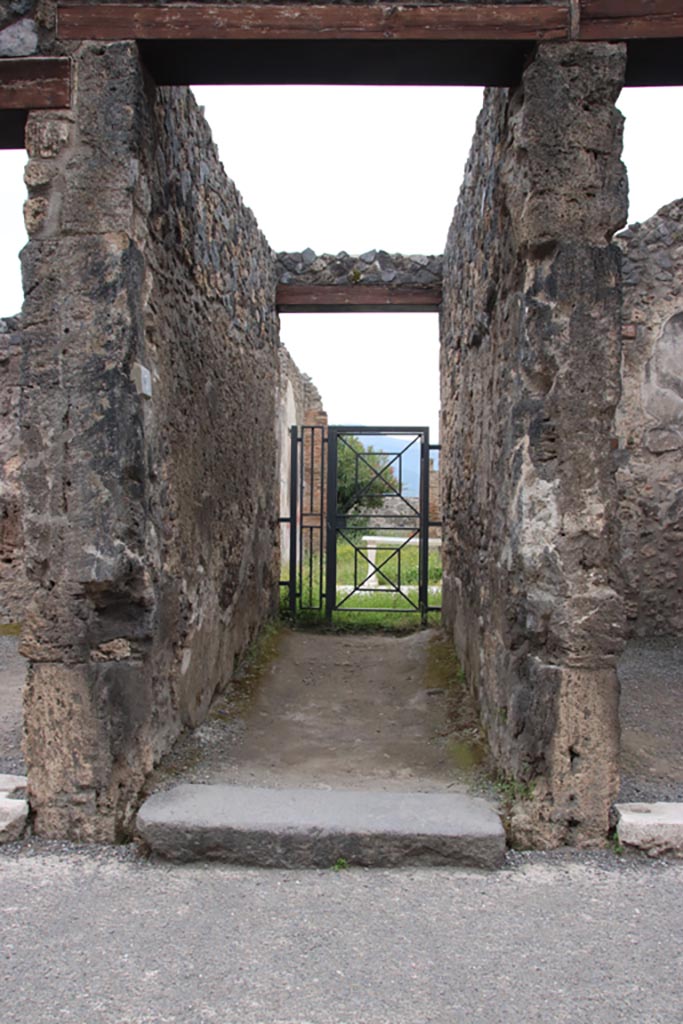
(12, 582)
(373, 267)
(530, 382)
(149, 417)
(650, 424)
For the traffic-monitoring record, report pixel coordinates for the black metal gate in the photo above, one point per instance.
(366, 548)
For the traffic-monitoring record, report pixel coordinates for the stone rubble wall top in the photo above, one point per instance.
(373, 267)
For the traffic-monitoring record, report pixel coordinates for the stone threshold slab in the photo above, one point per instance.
(291, 828)
(656, 828)
(13, 807)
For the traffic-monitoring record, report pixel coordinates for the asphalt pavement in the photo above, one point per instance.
(94, 935)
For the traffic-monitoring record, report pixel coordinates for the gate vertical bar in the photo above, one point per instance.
(293, 515)
(423, 590)
(331, 546)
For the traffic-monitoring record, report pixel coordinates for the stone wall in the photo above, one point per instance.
(530, 381)
(12, 583)
(372, 267)
(27, 29)
(149, 437)
(650, 424)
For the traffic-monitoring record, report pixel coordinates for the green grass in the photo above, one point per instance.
(348, 557)
(370, 610)
(372, 619)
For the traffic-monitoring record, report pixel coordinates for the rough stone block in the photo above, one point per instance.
(19, 39)
(656, 828)
(12, 785)
(13, 817)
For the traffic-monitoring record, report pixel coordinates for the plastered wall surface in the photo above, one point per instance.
(299, 401)
(649, 424)
(530, 380)
(149, 519)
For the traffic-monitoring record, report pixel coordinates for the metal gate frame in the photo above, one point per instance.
(309, 520)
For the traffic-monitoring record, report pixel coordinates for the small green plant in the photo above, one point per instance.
(513, 790)
(617, 845)
(341, 864)
(356, 275)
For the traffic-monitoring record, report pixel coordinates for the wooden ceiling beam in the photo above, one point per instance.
(356, 298)
(175, 21)
(613, 20)
(35, 83)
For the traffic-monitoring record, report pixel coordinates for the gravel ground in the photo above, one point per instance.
(102, 936)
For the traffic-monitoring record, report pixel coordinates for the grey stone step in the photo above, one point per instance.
(318, 827)
(656, 828)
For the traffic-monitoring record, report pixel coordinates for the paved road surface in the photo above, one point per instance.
(95, 936)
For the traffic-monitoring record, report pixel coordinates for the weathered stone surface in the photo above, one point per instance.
(13, 11)
(13, 818)
(314, 827)
(530, 355)
(656, 828)
(12, 785)
(19, 39)
(14, 807)
(149, 522)
(13, 585)
(373, 267)
(649, 424)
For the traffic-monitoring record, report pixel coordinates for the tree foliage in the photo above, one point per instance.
(364, 476)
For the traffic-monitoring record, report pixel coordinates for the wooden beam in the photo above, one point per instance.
(356, 298)
(335, 61)
(605, 20)
(532, 21)
(35, 83)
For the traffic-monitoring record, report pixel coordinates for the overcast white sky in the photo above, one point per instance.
(357, 168)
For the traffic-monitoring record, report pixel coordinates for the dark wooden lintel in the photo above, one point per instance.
(35, 83)
(356, 298)
(531, 21)
(605, 20)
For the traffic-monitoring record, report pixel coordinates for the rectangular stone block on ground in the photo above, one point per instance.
(656, 828)
(289, 828)
(13, 809)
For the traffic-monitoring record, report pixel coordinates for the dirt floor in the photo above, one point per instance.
(349, 711)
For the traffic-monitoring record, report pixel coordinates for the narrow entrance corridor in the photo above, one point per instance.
(344, 750)
(340, 711)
